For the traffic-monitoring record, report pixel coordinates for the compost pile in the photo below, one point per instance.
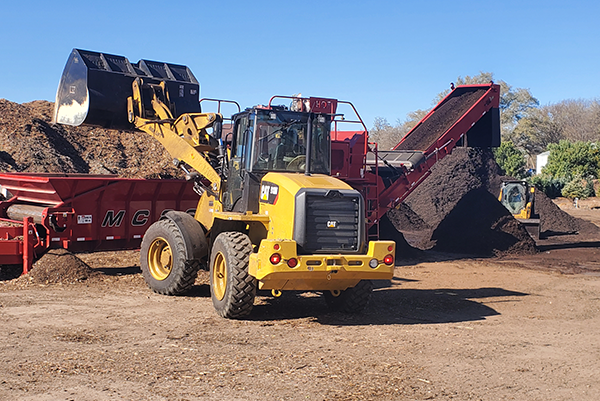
(454, 210)
(555, 221)
(29, 142)
(60, 266)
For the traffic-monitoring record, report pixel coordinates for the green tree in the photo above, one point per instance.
(578, 188)
(510, 159)
(573, 159)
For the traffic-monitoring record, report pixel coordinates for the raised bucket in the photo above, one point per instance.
(94, 88)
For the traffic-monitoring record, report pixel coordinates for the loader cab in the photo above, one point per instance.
(273, 139)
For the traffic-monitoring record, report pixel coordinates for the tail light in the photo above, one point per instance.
(275, 258)
(388, 260)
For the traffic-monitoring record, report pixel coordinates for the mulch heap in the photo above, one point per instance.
(555, 221)
(29, 142)
(457, 211)
(60, 266)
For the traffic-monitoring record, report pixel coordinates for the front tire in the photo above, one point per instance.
(351, 300)
(163, 259)
(232, 289)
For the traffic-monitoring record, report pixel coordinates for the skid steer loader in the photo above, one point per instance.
(519, 198)
(269, 216)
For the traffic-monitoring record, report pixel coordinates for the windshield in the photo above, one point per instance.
(281, 141)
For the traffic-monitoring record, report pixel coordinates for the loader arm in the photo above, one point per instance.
(185, 138)
(160, 99)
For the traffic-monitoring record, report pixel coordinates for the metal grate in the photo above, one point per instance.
(332, 224)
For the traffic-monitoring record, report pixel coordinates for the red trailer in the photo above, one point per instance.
(81, 212)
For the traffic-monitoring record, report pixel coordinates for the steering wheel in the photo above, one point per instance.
(298, 163)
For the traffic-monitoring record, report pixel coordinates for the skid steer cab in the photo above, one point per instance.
(519, 198)
(269, 216)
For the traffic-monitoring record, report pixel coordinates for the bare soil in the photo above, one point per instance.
(510, 327)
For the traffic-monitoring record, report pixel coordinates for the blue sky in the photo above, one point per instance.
(387, 57)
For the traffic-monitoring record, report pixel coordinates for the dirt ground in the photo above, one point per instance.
(502, 328)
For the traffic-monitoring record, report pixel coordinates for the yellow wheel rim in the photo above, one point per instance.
(160, 259)
(219, 276)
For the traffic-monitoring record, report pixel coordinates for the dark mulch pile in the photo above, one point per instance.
(406, 219)
(555, 221)
(388, 231)
(458, 210)
(480, 225)
(450, 180)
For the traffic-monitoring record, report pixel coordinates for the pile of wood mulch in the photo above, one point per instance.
(60, 266)
(30, 142)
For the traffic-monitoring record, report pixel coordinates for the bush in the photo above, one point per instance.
(578, 188)
(568, 163)
(573, 159)
(551, 186)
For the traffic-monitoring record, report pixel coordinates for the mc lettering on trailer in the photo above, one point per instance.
(140, 217)
(112, 220)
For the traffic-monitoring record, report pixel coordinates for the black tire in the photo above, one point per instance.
(351, 300)
(164, 262)
(232, 289)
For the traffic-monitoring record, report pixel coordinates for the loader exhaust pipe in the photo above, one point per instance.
(94, 88)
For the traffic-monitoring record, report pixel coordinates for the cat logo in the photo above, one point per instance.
(332, 224)
(269, 192)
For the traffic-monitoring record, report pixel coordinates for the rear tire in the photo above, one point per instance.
(163, 259)
(351, 300)
(232, 289)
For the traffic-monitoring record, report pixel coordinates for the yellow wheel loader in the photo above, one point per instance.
(519, 198)
(269, 216)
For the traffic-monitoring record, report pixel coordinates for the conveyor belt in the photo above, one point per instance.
(440, 119)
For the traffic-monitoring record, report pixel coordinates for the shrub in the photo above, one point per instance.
(578, 188)
(551, 186)
(573, 159)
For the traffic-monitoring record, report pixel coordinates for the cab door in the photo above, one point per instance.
(235, 184)
(242, 186)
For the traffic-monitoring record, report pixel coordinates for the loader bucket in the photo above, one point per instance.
(94, 88)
